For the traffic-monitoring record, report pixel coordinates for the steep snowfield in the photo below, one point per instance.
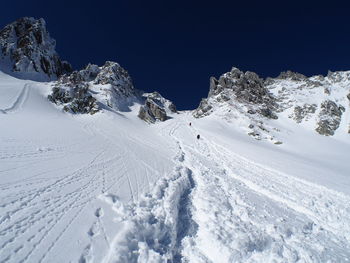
(58, 172)
(110, 188)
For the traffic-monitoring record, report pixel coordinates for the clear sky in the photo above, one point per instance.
(175, 46)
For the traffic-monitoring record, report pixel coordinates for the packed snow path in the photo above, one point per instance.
(219, 207)
(109, 188)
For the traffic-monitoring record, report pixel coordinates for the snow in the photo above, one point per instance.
(109, 187)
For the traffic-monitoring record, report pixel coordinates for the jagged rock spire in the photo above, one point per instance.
(27, 51)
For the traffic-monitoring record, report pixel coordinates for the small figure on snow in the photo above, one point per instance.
(190, 124)
(198, 136)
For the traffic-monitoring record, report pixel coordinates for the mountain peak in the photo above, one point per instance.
(27, 51)
(316, 102)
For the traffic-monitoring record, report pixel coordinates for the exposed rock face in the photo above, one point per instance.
(244, 88)
(241, 97)
(247, 87)
(28, 51)
(151, 112)
(117, 86)
(161, 101)
(156, 108)
(87, 90)
(76, 100)
(255, 105)
(108, 87)
(338, 76)
(329, 118)
(203, 109)
(322, 97)
(291, 75)
(302, 112)
(85, 75)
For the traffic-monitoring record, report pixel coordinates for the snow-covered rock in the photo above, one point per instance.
(260, 106)
(107, 87)
(75, 100)
(329, 117)
(245, 89)
(156, 108)
(27, 51)
(318, 103)
(94, 88)
(108, 188)
(240, 96)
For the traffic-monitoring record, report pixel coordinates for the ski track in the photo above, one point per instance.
(47, 211)
(248, 212)
(18, 103)
(314, 201)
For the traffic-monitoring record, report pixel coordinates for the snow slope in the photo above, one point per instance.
(110, 188)
(58, 170)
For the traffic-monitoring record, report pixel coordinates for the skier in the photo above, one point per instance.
(190, 124)
(198, 136)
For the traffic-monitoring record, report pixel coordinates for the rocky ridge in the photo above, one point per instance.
(156, 108)
(94, 88)
(257, 104)
(318, 102)
(27, 51)
(107, 87)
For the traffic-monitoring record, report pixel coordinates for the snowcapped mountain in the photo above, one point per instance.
(85, 178)
(319, 103)
(107, 88)
(260, 106)
(27, 51)
(95, 88)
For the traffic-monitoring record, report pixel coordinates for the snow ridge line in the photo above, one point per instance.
(155, 226)
(21, 98)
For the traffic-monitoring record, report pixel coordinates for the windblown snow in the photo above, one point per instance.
(109, 187)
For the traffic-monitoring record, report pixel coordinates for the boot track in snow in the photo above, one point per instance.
(155, 227)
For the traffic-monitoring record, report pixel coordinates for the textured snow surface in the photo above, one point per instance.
(110, 188)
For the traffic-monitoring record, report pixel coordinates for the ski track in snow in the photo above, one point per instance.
(34, 220)
(220, 207)
(21, 98)
(47, 211)
(214, 206)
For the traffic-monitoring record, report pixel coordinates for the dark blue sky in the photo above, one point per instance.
(175, 46)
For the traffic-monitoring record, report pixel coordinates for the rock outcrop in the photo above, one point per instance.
(203, 109)
(255, 105)
(107, 87)
(27, 51)
(295, 76)
(245, 88)
(156, 108)
(315, 102)
(93, 88)
(75, 100)
(303, 112)
(329, 118)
